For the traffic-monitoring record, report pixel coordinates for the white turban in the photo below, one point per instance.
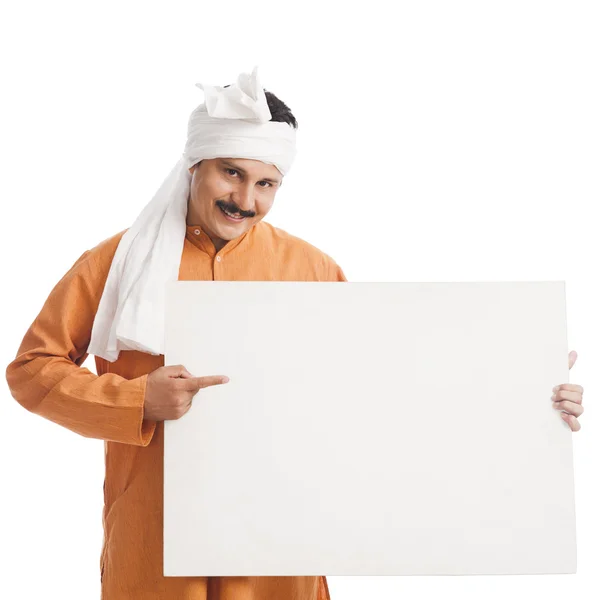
(233, 122)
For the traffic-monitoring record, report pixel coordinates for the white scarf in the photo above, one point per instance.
(233, 122)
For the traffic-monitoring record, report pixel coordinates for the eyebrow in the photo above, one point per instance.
(234, 166)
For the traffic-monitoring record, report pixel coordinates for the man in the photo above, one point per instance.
(206, 225)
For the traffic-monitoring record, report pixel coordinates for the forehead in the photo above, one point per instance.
(253, 168)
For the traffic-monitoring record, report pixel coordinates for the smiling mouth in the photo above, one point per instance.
(231, 216)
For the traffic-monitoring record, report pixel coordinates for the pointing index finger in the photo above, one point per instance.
(197, 383)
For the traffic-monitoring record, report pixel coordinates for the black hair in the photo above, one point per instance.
(280, 111)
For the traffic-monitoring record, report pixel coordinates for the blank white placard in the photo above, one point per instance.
(369, 429)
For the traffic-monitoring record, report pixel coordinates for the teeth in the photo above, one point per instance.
(232, 215)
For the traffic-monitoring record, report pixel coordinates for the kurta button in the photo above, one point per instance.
(218, 259)
(197, 231)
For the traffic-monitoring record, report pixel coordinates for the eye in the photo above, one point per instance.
(230, 171)
(267, 182)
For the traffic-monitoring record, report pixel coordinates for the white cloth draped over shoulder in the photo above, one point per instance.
(233, 122)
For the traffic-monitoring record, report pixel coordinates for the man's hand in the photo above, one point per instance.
(169, 392)
(568, 397)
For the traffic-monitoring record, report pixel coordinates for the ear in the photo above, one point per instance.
(194, 166)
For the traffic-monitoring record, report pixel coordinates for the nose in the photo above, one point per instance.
(243, 196)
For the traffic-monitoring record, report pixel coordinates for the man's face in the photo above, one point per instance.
(229, 195)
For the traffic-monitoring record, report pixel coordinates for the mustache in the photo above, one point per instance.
(232, 208)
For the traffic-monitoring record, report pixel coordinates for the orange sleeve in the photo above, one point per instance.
(336, 273)
(46, 377)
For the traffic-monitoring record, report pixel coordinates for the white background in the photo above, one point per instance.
(438, 141)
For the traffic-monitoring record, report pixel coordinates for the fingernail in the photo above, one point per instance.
(555, 389)
(225, 379)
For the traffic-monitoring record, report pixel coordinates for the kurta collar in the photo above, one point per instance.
(197, 236)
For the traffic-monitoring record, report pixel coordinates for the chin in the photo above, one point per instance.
(234, 230)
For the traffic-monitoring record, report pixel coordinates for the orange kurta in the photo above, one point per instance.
(47, 378)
